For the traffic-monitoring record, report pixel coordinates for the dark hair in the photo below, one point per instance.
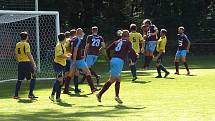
(73, 32)
(147, 21)
(61, 37)
(164, 31)
(67, 34)
(23, 35)
(133, 27)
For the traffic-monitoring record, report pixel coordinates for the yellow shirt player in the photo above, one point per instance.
(59, 66)
(136, 38)
(161, 46)
(26, 65)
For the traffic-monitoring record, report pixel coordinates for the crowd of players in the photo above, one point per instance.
(73, 56)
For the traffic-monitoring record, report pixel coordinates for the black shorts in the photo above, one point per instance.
(25, 70)
(58, 68)
(159, 60)
(132, 58)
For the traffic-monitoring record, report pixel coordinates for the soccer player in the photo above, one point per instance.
(136, 39)
(94, 45)
(161, 45)
(59, 67)
(26, 65)
(69, 36)
(151, 42)
(78, 59)
(120, 49)
(183, 49)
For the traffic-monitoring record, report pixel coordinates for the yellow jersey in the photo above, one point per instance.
(136, 38)
(161, 44)
(67, 45)
(60, 49)
(22, 48)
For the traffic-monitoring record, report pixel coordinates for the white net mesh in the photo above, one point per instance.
(11, 26)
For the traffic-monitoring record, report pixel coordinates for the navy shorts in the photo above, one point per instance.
(25, 70)
(159, 60)
(58, 68)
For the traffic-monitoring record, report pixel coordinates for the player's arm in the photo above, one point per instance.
(142, 42)
(188, 44)
(28, 53)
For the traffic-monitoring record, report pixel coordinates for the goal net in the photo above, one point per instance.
(42, 27)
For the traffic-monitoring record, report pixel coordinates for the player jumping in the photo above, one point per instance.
(120, 48)
(183, 49)
(26, 65)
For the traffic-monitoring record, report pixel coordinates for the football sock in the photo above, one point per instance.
(105, 88)
(159, 70)
(117, 87)
(76, 82)
(177, 66)
(93, 73)
(18, 84)
(83, 78)
(55, 87)
(32, 85)
(67, 82)
(186, 66)
(163, 68)
(58, 91)
(149, 60)
(90, 82)
(133, 70)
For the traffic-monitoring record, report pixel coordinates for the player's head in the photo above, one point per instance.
(144, 28)
(125, 33)
(95, 30)
(67, 34)
(163, 32)
(61, 37)
(147, 22)
(24, 35)
(73, 32)
(80, 32)
(133, 27)
(181, 29)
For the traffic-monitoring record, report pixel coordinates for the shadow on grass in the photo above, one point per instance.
(26, 100)
(141, 82)
(64, 104)
(78, 95)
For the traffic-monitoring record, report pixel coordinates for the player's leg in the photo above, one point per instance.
(21, 76)
(30, 75)
(158, 68)
(151, 51)
(116, 66)
(77, 90)
(91, 60)
(117, 88)
(67, 80)
(177, 57)
(184, 60)
(81, 64)
(59, 69)
(133, 68)
(162, 67)
(146, 56)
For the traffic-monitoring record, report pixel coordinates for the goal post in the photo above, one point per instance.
(42, 26)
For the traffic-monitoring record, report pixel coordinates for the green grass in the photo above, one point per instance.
(177, 98)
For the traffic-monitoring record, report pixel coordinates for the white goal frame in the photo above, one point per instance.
(57, 24)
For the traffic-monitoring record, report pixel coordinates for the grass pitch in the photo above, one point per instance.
(177, 98)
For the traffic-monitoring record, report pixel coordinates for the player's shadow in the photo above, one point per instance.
(141, 82)
(64, 104)
(121, 106)
(78, 95)
(26, 100)
(169, 78)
